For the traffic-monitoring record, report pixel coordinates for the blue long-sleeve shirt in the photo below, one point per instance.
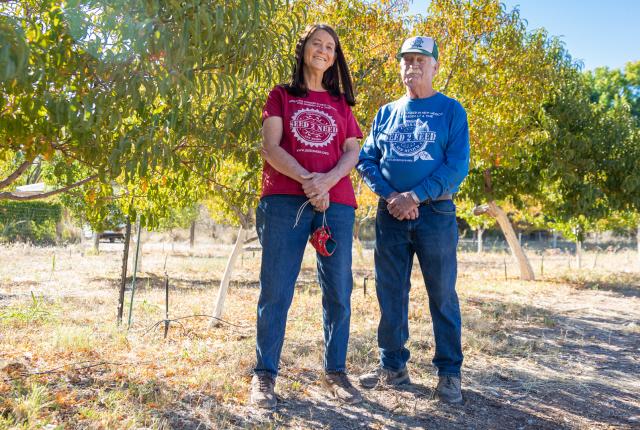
(419, 145)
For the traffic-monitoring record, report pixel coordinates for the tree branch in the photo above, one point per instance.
(15, 175)
(213, 182)
(11, 196)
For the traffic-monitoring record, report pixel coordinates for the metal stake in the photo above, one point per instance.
(135, 270)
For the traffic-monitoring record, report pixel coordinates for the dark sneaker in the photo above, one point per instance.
(384, 376)
(339, 386)
(263, 393)
(448, 389)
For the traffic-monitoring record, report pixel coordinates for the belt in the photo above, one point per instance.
(442, 197)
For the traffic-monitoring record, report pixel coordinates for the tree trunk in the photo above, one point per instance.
(192, 235)
(555, 239)
(526, 271)
(96, 242)
(480, 232)
(579, 253)
(123, 279)
(638, 244)
(224, 283)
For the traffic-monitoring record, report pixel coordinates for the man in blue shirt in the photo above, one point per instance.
(415, 158)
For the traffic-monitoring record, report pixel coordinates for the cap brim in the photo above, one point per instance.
(414, 51)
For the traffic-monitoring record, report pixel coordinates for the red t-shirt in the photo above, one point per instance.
(314, 130)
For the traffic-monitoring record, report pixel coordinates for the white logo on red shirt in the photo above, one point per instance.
(313, 127)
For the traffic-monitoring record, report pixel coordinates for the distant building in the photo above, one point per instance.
(30, 190)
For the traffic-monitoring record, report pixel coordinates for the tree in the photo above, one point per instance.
(501, 74)
(586, 165)
(135, 91)
(615, 97)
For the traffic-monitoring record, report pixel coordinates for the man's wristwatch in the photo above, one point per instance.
(415, 197)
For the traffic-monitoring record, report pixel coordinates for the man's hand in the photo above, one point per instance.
(316, 184)
(402, 206)
(321, 203)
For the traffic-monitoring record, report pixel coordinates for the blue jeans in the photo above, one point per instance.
(282, 251)
(433, 236)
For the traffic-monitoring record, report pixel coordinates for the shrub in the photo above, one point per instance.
(33, 222)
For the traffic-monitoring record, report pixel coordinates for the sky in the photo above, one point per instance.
(598, 32)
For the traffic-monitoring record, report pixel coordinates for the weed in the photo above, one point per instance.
(146, 308)
(549, 322)
(38, 310)
(28, 408)
(71, 338)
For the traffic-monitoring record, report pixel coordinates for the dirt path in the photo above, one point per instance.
(582, 371)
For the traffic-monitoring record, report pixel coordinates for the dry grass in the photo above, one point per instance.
(560, 352)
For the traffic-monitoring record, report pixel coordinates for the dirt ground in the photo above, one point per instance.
(562, 352)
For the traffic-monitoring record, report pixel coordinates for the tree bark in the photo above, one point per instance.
(579, 253)
(8, 195)
(526, 271)
(192, 235)
(480, 232)
(16, 174)
(638, 244)
(224, 283)
(96, 242)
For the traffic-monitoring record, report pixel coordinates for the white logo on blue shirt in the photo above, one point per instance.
(410, 139)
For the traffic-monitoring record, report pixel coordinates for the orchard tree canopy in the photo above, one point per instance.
(137, 92)
(501, 74)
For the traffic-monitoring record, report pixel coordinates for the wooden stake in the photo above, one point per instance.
(505, 268)
(224, 283)
(166, 305)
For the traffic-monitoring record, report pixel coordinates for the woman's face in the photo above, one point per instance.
(319, 51)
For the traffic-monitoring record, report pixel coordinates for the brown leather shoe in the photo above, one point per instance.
(263, 393)
(339, 386)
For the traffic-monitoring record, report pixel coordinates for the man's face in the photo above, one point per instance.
(418, 70)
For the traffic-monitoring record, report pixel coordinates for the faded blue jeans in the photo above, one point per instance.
(282, 251)
(433, 237)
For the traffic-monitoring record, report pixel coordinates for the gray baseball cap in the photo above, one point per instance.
(419, 45)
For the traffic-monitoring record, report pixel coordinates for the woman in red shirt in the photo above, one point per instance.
(310, 144)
